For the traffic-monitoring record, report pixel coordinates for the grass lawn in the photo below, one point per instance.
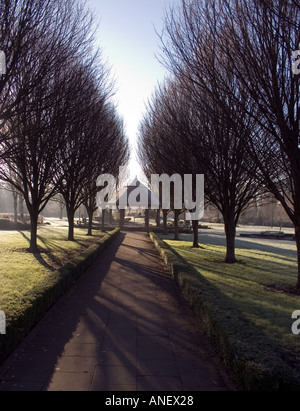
(20, 271)
(246, 289)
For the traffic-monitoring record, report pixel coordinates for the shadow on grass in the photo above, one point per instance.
(257, 361)
(34, 365)
(27, 238)
(49, 248)
(217, 239)
(38, 255)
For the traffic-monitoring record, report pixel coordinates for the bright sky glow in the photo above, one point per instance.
(127, 36)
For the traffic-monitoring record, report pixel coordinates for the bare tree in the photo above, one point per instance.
(37, 36)
(162, 148)
(220, 126)
(35, 103)
(19, 22)
(75, 157)
(29, 152)
(111, 153)
(95, 141)
(257, 39)
(201, 139)
(260, 49)
(230, 176)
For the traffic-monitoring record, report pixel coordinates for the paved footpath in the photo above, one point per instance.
(123, 327)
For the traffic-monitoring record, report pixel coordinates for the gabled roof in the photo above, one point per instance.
(137, 194)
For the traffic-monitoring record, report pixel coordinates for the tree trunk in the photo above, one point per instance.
(165, 217)
(230, 230)
(90, 225)
(61, 208)
(103, 219)
(195, 224)
(297, 238)
(21, 207)
(122, 217)
(147, 219)
(158, 218)
(15, 196)
(71, 214)
(176, 231)
(33, 248)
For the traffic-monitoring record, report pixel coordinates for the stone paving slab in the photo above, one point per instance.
(123, 327)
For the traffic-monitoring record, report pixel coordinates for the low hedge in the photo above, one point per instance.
(21, 317)
(254, 361)
(8, 225)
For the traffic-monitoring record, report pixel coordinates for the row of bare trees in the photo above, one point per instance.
(231, 107)
(59, 128)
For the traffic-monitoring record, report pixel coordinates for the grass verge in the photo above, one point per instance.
(249, 326)
(43, 282)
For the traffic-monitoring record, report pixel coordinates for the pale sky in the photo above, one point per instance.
(128, 39)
